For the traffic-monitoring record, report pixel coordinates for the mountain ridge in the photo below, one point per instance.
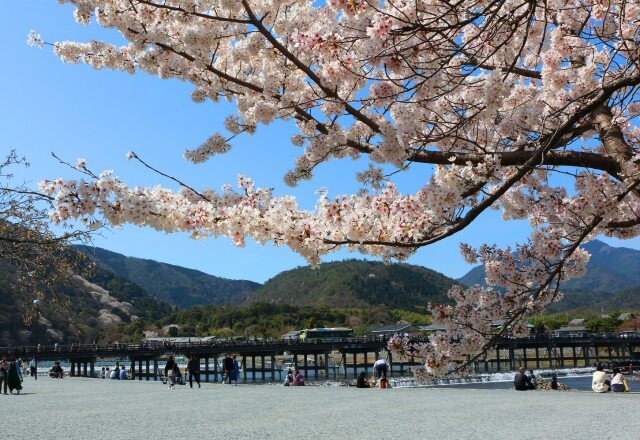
(356, 283)
(176, 285)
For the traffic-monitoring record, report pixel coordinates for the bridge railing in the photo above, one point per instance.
(232, 344)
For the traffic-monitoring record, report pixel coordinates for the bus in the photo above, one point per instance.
(325, 334)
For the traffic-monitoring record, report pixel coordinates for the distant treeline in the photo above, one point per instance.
(264, 320)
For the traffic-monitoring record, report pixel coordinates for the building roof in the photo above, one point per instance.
(433, 328)
(394, 328)
(291, 334)
(573, 329)
(575, 322)
(625, 316)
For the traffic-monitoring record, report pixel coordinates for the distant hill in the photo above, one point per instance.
(611, 272)
(174, 284)
(82, 309)
(356, 283)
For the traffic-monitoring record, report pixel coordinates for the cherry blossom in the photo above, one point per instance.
(494, 99)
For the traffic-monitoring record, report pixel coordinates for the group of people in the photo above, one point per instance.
(11, 375)
(522, 382)
(294, 379)
(174, 376)
(118, 373)
(379, 380)
(602, 383)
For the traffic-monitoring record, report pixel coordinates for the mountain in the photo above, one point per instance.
(611, 271)
(356, 283)
(79, 310)
(174, 284)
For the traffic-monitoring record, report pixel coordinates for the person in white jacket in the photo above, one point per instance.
(600, 382)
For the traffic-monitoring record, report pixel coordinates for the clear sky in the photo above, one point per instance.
(78, 112)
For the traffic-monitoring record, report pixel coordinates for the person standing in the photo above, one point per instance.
(600, 382)
(19, 366)
(4, 374)
(32, 367)
(236, 370)
(123, 373)
(14, 378)
(380, 367)
(194, 370)
(168, 372)
(227, 365)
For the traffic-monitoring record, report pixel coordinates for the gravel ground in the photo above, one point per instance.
(99, 409)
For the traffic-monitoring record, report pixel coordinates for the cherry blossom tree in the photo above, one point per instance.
(496, 97)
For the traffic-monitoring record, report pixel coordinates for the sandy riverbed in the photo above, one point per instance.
(97, 409)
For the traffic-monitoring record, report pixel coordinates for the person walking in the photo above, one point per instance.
(168, 372)
(4, 374)
(14, 377)
(194, 370)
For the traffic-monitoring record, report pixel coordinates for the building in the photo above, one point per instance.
(572, 331)
(390, 330)
(292, 335)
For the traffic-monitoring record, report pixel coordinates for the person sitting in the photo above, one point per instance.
(123, 374)
(56, 371)
(289, 379)
(522, 382)
(362, 382)
(554, 382)
(177, 375)
(102, 373)
(298, 379)
(617, 381)
(115, 374)
(600, 382)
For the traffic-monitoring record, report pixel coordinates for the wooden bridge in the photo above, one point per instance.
(323, 360)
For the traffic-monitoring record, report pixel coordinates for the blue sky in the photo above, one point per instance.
(78, 112)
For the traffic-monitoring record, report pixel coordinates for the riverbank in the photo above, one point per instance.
(77, 408)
